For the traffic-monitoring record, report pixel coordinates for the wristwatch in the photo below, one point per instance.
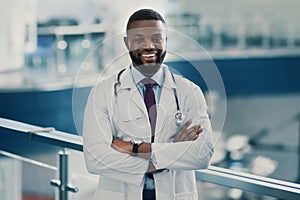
(135, 145)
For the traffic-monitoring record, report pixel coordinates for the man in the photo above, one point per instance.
(132, 138)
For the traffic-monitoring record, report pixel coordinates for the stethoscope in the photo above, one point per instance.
(179, 117)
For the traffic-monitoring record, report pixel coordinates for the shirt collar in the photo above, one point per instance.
(158, 77)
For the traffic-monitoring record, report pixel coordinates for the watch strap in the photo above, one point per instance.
(135, 147)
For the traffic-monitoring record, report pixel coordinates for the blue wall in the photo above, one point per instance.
(250, 76)
(42, 108)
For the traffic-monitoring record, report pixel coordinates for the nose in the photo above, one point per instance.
(148, 44)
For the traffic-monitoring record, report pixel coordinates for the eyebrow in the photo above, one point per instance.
(140, 34)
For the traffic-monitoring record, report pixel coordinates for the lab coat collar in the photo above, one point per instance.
(169, 82)
(166, 103)
(127, 80)
(132, 93)
(158, 77)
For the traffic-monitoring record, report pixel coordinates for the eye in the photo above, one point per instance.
(138, 40)
(157, 39)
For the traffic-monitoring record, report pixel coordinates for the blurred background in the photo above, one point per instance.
(51, 51)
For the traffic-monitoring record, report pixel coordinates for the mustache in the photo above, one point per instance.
(150, 50)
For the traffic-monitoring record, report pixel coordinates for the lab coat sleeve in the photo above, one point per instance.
(100, 157)
(190, 155)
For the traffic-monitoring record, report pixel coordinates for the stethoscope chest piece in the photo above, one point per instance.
(179, 117)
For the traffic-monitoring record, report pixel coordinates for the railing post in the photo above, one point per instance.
(63, 175)
(298, 118)
(62, 183)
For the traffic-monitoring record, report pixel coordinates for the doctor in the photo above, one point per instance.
(145, 129)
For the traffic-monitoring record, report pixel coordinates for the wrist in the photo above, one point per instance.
(135, 146)
(144, 151)
(122, 146)
(144, 148)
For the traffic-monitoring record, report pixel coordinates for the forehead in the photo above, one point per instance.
(146, 27)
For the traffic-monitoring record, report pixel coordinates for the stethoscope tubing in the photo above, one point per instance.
(178, 115)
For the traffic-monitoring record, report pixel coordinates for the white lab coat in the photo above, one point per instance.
(125, 116)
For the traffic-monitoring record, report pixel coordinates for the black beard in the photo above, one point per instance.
(137, 60)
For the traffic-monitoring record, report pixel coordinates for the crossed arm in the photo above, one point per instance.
(186, 133)
(189, 152)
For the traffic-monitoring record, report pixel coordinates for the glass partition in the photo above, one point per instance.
(210, 191)
(25, 179)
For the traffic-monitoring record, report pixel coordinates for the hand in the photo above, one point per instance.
(151, 168)
(122, 146)
(188, 134)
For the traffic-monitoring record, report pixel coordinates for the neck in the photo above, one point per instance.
(147, 70)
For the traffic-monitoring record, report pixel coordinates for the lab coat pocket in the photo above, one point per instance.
(127, 114)
(127, 109)
(134, 126)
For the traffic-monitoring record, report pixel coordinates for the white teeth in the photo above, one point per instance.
(148, 55)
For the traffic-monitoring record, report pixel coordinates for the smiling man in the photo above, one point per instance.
(145, 129)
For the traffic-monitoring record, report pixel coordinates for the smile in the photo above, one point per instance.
(148, 55)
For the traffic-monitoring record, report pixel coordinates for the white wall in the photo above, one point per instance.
(10, 179)
(85, 11)
(17, 29)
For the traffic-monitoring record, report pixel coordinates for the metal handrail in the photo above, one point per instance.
(248, 182)
(216, 175)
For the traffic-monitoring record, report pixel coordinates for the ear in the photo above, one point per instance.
(126, 42)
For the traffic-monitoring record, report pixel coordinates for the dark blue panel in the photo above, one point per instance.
(250, 76)
(20, 144)
(43, 108)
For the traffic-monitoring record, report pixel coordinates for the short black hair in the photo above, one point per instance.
(144, 14)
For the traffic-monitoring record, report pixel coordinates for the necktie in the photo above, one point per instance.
(150, 103)
(149, 99)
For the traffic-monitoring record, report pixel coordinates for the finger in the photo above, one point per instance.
(200, 130)
(191, 133)
(183, 128)
(197, 132)
(194, 128)
(186, 125)
(196, 137)
(186, 133)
